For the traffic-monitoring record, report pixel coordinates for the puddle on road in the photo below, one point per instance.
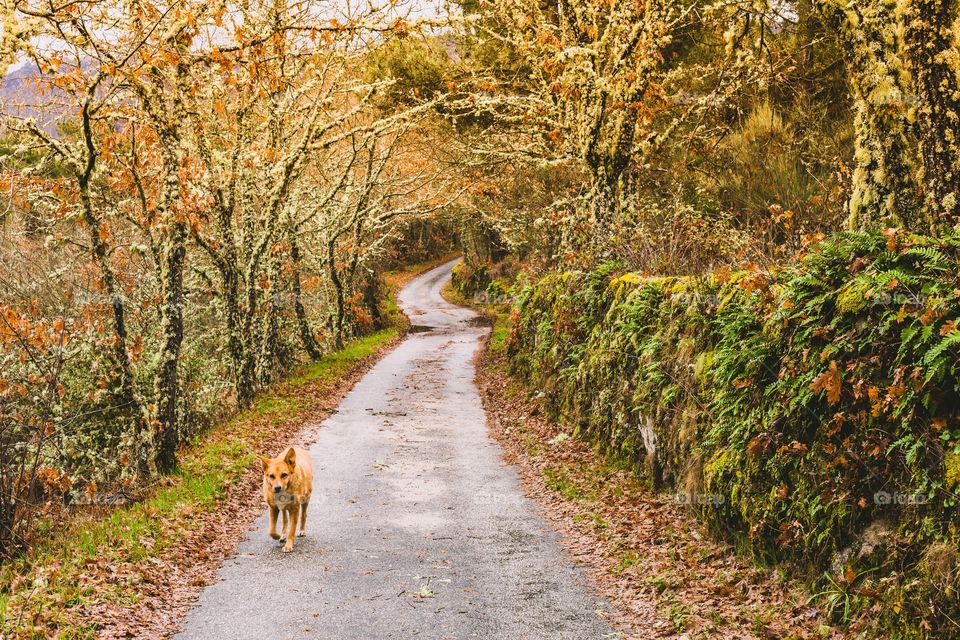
(420, 328)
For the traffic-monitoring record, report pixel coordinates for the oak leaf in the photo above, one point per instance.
(830, 381)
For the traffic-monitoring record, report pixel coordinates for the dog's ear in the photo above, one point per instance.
(266, 462)
(291, 457)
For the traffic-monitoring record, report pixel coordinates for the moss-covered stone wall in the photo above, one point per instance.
(811, 415)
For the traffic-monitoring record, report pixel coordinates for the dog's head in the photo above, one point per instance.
(277, 472)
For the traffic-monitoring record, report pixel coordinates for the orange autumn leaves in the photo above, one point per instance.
(17, 327)
(33, 341)
(829, 381)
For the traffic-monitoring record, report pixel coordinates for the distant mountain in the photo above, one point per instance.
(19, 96)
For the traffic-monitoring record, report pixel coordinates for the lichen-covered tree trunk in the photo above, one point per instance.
(883, 189)
(303, 324)
(604, 199)
(174, 251)
(236, 345)
(371, 299)
(171, 323)
(271, 357)
(98, 245)
(336, 280)
(609, 147)
(932, 55)
(127, 393)
(246, 378)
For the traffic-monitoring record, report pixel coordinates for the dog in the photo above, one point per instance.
(287, 485)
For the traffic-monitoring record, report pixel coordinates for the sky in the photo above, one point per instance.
(325, 10)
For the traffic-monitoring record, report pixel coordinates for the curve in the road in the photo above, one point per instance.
(417, 528)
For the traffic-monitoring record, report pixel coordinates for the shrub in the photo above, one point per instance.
(468, 280)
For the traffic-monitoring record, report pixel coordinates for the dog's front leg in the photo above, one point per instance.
(292, 531)
(273, 523)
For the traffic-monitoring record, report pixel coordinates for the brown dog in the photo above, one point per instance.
(287, 484)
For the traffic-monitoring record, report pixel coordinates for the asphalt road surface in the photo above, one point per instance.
(417, 528)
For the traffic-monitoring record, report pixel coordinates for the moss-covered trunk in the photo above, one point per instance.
(171, 323)
(933, 59)
(303, 324)
(173, 256)
(98, 234)
(236, 345)
(883, 190)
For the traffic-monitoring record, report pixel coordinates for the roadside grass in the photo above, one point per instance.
(501, 329)
(50, 589)
(557, 479)
(335, 364)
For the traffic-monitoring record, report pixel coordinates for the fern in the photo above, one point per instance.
(929, 257)
(937, 359)
(897, 275)
(747, 364)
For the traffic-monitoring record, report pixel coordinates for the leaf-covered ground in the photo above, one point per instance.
(648, 557)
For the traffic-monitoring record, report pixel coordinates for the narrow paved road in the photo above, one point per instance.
(417, 528)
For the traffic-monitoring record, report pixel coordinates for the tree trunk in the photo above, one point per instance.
(883, 190)
(98, 245)
(174, 248)
(340, 296)
(341, 310)
(236, 346)
(127, 394)
(371, 300)
(171, 319)
(270, 356)
(932, 57)
(248, 367)
(603, 209)
(303, 324)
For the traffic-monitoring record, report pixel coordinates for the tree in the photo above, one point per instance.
(363, 191)
(591, 87)
(883, 189)
(932, 57)
(197, 123)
